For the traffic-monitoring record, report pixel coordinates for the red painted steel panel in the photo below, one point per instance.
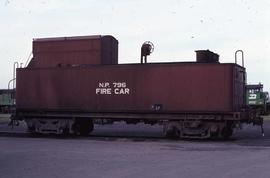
(52, 52)
(178, 87)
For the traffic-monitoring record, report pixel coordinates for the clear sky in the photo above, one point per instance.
(176, 27)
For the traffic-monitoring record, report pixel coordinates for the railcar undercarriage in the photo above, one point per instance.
(199, 129)
(174, 125)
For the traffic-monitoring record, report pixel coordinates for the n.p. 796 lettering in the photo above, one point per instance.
(116, 88)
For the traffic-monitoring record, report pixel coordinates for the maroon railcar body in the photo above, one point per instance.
(52, 52)
(176, 87)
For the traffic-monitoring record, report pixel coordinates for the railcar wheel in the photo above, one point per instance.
(83, 127)
(173, 133)
(31, 130)
(226, 132)
(214, 134)
(66, 131)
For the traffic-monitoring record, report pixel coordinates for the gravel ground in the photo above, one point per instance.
(121, 150)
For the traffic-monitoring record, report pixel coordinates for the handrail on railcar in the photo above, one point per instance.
(242, 54)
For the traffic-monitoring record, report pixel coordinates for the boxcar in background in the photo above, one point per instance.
(7, 100)
(257, 98)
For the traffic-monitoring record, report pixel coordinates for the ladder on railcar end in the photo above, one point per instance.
(258, 120)
(16, 65)
(242, 55)
(13, 81)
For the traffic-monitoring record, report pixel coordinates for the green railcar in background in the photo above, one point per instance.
(257, 98)
(7, 100)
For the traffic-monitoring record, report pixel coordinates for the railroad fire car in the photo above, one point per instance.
(73, 81)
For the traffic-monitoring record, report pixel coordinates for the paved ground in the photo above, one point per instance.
(133, 151)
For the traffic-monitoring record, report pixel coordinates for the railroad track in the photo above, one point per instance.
(104, 137)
